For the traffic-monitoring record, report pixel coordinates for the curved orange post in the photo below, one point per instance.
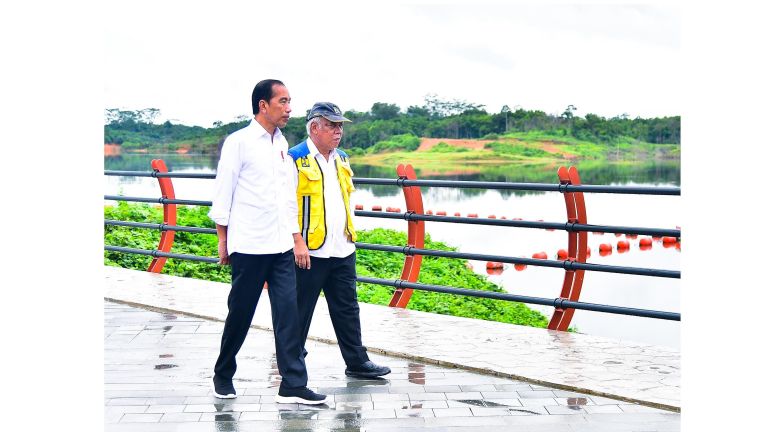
(412, 264)
(169, 216)
(577, 249)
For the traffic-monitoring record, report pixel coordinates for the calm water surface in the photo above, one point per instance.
(642, 292)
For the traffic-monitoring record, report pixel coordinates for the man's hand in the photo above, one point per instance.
(300, 252)
(223, 254)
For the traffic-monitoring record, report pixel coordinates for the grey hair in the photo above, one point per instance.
(313, 120)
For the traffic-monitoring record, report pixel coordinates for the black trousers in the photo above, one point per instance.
(336, 278)
(249, 272)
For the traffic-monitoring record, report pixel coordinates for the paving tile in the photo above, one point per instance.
(180, 417)
(140, 418)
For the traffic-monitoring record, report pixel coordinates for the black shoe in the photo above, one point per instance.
(300, 395)
(223, 388)
(368, 369)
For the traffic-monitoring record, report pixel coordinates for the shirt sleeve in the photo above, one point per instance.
(227, 172)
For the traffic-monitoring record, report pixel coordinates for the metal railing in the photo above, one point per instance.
(576, 226)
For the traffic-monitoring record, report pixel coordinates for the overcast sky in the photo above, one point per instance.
(199, 64)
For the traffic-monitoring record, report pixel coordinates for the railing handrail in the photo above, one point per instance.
(569, 186)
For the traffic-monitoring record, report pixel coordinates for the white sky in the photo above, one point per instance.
(198, 64)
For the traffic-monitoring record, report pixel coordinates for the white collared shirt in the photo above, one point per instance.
(337, 244)
(255, 192)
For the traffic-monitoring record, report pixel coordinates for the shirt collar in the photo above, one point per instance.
(261, 131)
(314, 151)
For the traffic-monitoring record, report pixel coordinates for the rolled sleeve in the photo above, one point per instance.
(227, 173)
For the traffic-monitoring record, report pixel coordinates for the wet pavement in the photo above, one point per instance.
(162, 336)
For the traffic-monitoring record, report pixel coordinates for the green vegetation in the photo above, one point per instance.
(406, 142)
(437, 271)
(515, 149)
(388, 124)
(443, 147)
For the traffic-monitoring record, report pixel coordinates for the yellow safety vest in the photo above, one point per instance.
(311, 199)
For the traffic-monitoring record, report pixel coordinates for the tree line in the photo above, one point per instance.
(436, 118)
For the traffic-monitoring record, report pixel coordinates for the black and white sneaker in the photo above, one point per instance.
(301, 395)
(223, 388)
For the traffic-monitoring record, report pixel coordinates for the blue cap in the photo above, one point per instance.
(327, 110)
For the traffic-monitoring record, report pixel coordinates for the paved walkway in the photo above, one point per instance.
(159, 354)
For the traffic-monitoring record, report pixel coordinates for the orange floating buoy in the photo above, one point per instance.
(589, 251)
(429, 212)
(669, 239)
(494, 265)
(605, 247)
(562, 254)
(472, 215)
(504, 217)
(668, 244)
(622, 246)
(645, 241)
(604, 252)
(539, 255)
(631, 236)
(517, 218)
(376, 208)
(491, 216)
(358, 206)
(677, 245)
(494, 271)
(656, 238)
(520, 267)
(646, 246)
(440, 213)
(457, 214)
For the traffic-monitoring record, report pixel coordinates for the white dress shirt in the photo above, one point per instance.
(337, 244)
(255, 193)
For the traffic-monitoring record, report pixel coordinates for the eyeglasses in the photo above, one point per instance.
(333, 126)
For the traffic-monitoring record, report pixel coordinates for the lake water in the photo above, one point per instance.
(642, 292)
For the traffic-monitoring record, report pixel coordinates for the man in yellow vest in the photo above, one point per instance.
(323, 186)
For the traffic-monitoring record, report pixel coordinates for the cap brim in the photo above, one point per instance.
(335, 118)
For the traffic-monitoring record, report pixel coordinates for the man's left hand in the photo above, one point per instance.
(300, 252)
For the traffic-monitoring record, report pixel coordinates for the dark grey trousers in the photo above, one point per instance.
(336, 278)
(249, 272)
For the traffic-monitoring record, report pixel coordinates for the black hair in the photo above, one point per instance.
(263, 91)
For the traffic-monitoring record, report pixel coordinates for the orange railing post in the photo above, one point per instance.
(169, 216)
(577, 249)
(412, 264)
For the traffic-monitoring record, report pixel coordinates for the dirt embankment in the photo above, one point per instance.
(112, 149)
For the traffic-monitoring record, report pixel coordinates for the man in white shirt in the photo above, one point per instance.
(255, 216)
(323, 185)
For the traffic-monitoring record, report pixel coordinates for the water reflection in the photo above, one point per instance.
(225, 419)
(416, 373)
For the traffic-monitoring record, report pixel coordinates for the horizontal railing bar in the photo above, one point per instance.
(160, 174)
(546, 187)
(157, 253)
(557, 303)
(157, 200)
(160, 226)
(565, 264)
(571, 227)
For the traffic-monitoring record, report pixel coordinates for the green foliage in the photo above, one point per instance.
(443, 147)
(437, 271)
(515, 149)
(405, 142)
